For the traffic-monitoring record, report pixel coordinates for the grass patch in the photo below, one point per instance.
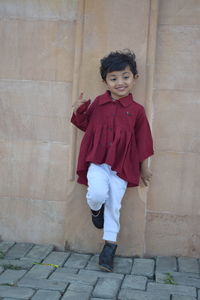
(2, 255)
(169, 279)
(12, 267)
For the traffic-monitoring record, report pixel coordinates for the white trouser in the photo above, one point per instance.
(105, 187)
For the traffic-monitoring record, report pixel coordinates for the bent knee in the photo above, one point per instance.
(96, 196)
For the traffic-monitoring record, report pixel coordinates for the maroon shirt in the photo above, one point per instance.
(117, 133)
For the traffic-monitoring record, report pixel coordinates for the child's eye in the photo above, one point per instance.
(112, 79)
(126, 77)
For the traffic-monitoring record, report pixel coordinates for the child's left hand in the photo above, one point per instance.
(146, 175)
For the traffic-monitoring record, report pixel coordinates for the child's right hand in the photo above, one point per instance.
(78, 103)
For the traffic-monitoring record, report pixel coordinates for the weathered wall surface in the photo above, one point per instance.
(36, 58)
(173, 216)
(49, 52)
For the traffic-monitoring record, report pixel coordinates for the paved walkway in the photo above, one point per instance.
(38, 272)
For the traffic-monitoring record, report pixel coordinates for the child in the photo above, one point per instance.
(115, 147)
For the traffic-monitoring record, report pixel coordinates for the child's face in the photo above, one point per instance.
(120, 83)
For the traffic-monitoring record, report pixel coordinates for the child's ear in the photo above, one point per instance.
(136, 76)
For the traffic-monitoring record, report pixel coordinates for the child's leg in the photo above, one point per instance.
(117, 189)
(98, 186)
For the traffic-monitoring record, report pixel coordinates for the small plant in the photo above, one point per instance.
(7, 284)
(44, 264)
(12, 267)
(2, 255)
(169, 279)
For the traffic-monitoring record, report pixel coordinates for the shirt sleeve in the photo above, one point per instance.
(143, 136)
(80, 118)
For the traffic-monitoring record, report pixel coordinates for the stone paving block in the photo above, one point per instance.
(188, 264)
(80, 287)
(134, 282)
(43, 284)
(18, 250)
(101, 274)
(5, 246)
(67, 270)
(31, 260)
(143, 267)
(126, 294)
(172, 289)
(166, 264)
(40, 251)
(101, 299)
(57, 258)
(14, 263)
(39, 271)
(72, 295)
(93, 263)
(16, 292)
(107, 287)
(62, 275)
(11, 276)
(181, 297)
(179, 278)
(46, 295)
(10, 298)
(77, 260)
(122, 265)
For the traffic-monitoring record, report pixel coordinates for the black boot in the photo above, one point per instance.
(106, 257)
(98, 217)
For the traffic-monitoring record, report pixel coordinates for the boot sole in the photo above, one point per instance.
(104, 268)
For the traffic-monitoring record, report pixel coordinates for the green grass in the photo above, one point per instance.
(169, 279)
(12, 267)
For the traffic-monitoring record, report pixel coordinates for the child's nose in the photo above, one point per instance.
(120, 80)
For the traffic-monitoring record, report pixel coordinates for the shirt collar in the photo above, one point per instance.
(124, 101)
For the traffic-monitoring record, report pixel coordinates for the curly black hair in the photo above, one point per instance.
(117, 61)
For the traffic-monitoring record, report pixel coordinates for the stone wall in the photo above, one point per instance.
(49, 53)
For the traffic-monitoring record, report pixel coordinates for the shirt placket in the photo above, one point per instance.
(111, 124)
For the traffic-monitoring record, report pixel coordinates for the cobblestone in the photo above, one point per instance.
(48, 295)
(107, 287)
(166, 264)
(77, 261)
(11, 276)
(43, 284)
(37, 272)
(178, 297)
(13, 292)
(40, 251)
(18, 250)
(57, 258)
(179, 278)
(21, 263)
(72, 295)
(5, 246)
(62, 275)
(144, 267)
(127, 294)
(134, 282)
(188, 264)
(101, 274)
(172, 289)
